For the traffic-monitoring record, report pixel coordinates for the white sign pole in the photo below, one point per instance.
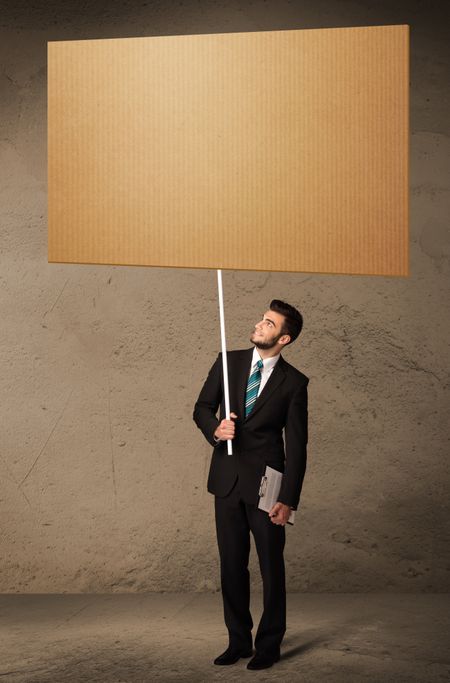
(224, 357)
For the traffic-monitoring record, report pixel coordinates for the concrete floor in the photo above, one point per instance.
(174, 637)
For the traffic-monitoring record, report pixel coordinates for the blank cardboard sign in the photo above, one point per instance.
(276, 151)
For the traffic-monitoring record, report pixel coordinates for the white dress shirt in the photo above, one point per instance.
(266, 370)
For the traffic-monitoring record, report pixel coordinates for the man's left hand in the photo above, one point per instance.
(279, 513)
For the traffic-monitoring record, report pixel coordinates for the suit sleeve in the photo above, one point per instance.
(208, 403)
(296, 438)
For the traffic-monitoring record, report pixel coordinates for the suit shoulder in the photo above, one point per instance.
(298, 376)
(236, 353)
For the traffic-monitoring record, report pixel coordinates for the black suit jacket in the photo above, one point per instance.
(281, 405)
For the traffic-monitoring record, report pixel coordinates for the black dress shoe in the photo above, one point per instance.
(262, 661)
(231, 656)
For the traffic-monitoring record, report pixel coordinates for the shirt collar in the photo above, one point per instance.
(268, 363)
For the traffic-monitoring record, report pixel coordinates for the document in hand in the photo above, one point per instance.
(269, 490)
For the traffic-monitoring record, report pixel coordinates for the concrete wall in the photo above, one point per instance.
(103, 472)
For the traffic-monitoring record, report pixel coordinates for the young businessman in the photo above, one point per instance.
(267, 396)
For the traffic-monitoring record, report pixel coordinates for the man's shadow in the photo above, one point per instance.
(305, 646)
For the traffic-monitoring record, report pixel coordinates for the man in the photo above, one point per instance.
(267, 395)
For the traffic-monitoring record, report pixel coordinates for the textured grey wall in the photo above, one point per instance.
(103, 472)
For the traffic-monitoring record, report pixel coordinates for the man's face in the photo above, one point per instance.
(267, 333)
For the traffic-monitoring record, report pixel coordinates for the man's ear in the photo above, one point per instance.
(285, 339)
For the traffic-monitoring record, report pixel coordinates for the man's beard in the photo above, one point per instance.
(267, 344)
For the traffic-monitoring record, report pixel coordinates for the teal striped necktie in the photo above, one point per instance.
(252, 388)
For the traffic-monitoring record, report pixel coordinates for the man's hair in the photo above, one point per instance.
(293, 319)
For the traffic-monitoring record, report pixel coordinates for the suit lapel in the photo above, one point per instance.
(241, 376)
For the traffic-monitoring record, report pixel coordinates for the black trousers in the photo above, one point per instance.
(234, 521)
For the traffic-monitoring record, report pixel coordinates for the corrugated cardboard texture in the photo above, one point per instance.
(276, 150)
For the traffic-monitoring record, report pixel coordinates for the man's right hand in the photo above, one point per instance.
(225, 430)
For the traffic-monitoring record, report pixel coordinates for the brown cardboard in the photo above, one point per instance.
(275, 150)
